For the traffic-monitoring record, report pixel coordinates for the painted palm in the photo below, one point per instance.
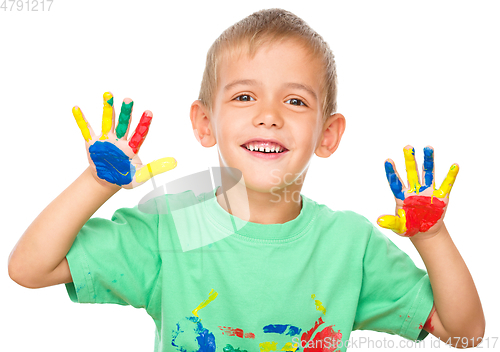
(112, 156)
(419, 207)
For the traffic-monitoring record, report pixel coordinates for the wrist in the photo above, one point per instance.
(426, 236)
(425, 244)
(97, 185)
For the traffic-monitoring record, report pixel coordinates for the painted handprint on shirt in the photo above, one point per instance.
(191, 335)
(419, 208)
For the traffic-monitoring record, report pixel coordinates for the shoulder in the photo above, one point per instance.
(157, 202)
(346, 222)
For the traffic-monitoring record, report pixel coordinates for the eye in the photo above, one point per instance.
(243, 97)
(296, 102)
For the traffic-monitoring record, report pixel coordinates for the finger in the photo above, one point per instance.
(124, 119)
(448, 182)
(428, 168)
(141, 131)
(394, 223)
(411, 169)
(84, 126)
(154, 168)
(108, 115)
(394, 180)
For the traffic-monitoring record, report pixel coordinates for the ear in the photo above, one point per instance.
(200, 120)
(333, 129)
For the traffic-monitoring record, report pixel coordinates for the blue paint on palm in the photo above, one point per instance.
(428, 168)
(394, 183)
(112, 164)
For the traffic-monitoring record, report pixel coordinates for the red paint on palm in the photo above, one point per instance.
(422, 213)
(141, 131)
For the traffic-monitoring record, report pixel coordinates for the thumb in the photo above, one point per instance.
(155, 168)
(394, 223)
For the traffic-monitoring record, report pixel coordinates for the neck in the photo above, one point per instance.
(273, 206)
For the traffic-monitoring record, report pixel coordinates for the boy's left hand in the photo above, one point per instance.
(420, 208)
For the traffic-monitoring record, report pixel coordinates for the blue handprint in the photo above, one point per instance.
(190, 329)
(111, 163)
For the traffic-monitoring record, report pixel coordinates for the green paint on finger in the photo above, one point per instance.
(124, 119)
(110, 101)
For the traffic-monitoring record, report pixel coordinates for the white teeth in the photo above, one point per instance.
(274, 148)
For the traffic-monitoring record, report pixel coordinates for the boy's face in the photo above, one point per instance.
(278, 97)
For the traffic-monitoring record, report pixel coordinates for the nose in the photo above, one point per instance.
(268, 115)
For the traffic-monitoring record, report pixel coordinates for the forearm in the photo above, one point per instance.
(455, 295)
(49, 238)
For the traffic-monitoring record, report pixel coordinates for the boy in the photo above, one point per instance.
(253, 265)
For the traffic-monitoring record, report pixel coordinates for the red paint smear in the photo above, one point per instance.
(232, 332)
(422, 213)
(428, 326)
(306, 336)
(420, 326)
(320, 343)
(141, 131)
(249, 335)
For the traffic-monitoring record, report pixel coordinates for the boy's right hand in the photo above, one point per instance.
(113, 158)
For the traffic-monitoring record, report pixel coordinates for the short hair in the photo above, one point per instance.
(265, 27)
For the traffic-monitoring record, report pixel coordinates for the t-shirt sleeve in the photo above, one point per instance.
(396, 296)
(116, 261)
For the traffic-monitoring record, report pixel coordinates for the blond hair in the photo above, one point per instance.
(265, 27)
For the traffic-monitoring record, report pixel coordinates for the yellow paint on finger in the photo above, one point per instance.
(82, 124)
(211, 297)
(394, 223)
(448, 182)
(107, 114)
(319, 305)
(155, 168)
(411, 170)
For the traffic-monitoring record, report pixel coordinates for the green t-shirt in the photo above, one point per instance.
(213, 282)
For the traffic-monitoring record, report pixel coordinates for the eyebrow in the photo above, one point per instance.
(252, 82)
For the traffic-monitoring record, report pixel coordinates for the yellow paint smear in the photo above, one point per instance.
(117, 169)
(289, 347)
(211, 297)
(107, 115)
(155, 168)
(319, 305)
(82, 124)
(394, 223)
(448, 182)
(267, 346)
(411, 170)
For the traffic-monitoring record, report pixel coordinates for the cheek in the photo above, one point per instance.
(234, 120)
(307, 136)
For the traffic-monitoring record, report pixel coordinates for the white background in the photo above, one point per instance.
(414, 73)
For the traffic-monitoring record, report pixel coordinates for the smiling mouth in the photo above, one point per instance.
(264, 150)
